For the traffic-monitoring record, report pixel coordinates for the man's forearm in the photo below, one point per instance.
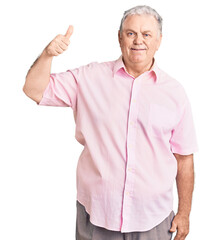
(185, 183)
(38, 77)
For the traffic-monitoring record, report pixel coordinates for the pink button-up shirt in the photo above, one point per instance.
(130, 128)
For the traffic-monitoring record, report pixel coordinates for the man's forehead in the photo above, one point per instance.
(142, 22)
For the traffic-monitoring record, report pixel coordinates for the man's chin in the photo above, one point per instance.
(137, 60)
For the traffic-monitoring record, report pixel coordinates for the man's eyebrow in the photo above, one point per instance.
(129, 30)
(135, 31)
(147, 31)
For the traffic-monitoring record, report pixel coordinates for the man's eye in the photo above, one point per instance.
(146, 35)
(130, 34)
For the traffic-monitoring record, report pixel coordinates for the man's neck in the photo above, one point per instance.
(136, 70)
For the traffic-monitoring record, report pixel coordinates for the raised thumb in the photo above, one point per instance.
(69, 31)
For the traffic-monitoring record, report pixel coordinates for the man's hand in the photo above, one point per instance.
(181, 224)
(59, 44)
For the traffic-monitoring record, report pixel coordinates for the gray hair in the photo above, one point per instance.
(140, 10)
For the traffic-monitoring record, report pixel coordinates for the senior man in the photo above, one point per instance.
(136, 126)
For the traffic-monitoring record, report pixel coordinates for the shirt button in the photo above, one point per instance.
(131, 170)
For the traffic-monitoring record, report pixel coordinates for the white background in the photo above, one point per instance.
(38, 151)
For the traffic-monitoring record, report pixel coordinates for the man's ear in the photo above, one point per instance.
(159, 41)
(119, 37)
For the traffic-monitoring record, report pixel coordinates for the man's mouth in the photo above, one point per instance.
(138, 49)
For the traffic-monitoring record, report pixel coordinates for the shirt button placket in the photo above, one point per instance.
(130, 161)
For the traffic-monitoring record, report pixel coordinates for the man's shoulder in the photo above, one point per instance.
(95, 65)
(94, 69)
(166, 77)
(172, 83)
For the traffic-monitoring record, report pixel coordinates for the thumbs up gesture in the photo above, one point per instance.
(59, 44)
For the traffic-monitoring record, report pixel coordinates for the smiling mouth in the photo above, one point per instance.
(141, 49)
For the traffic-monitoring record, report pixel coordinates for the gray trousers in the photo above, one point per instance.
(85, 230)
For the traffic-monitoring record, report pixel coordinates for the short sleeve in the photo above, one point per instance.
(61, 90)
(183, 139)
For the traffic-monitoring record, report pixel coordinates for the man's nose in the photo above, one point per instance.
(138, 39)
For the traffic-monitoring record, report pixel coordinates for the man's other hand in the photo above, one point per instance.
(59, 44)
(181, 224)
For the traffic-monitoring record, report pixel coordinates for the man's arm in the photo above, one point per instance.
(38, 75)
(185, 186)
(185, 183)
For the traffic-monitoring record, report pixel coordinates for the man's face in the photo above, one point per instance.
(140, 39)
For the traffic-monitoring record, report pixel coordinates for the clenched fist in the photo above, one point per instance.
(59, 44)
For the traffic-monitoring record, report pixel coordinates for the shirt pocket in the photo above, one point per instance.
(161, 120)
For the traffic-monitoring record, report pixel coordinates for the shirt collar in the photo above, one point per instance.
(119, 64)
